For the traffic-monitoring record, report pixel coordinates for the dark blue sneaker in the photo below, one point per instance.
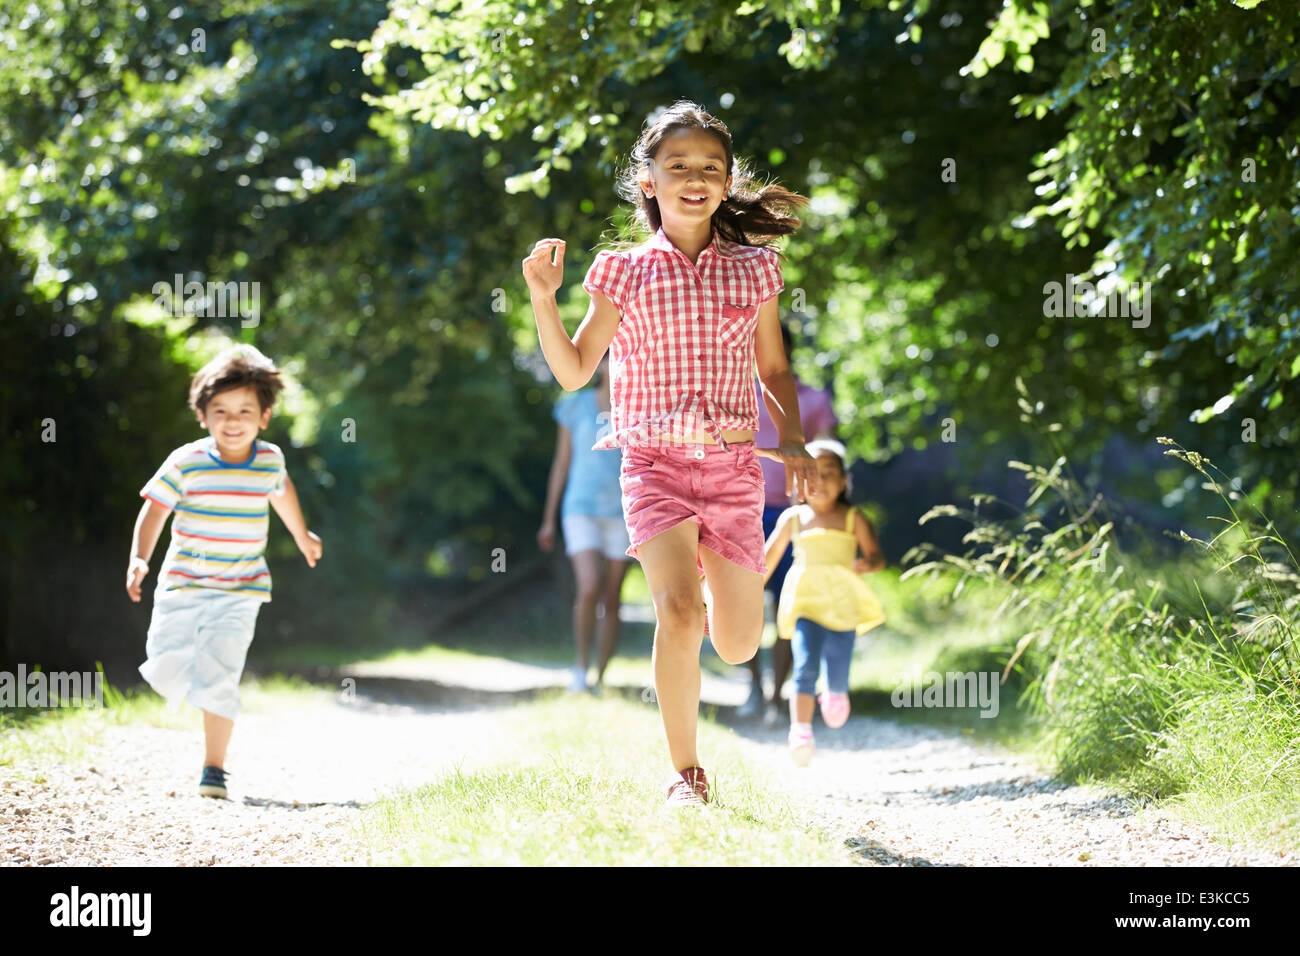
(213, 783)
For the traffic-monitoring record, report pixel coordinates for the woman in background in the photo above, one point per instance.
(592, 519)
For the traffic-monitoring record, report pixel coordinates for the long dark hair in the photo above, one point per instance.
(751, 214)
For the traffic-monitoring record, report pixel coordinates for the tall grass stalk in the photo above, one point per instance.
(1178, 680)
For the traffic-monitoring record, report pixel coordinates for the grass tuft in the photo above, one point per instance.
(582, 781)
(1176, 681)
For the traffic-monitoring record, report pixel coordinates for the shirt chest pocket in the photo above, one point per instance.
(736, 329)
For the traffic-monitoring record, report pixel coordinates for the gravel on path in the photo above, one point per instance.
(298, 780)
(903, 794)
(893, 794)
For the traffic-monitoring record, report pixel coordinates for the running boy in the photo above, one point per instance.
(214, 578)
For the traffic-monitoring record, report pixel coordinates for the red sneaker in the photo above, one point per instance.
(690, 788)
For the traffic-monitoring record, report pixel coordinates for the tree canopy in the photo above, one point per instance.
(380, 169)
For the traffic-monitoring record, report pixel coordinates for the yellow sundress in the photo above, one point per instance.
(821, 585)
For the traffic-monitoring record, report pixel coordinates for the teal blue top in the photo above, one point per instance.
(592, 487)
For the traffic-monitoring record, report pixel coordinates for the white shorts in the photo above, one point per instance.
(592, 533)
(198, 639)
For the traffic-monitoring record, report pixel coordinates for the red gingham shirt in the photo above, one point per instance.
(682, 359)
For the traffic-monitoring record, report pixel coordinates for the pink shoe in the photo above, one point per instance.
(835, 709)
(801, 746)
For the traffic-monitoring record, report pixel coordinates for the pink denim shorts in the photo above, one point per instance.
(719, 488)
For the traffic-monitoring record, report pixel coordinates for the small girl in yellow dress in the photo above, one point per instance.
(824, 602)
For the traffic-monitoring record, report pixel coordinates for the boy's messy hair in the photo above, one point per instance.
(823, 445)
(234, 368)
(750, 214)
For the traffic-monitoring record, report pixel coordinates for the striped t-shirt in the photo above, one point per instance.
(220, 521)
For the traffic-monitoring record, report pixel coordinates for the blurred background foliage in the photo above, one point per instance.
(380, 173)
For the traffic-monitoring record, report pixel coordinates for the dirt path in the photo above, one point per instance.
(299, 779)
(908, 795)
(893, 794)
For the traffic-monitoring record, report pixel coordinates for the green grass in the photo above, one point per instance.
(1241, 775)
(1174, 680)
(635, 588)
(1166, 719)
(920, 628)
(926, 631)
(581, 781)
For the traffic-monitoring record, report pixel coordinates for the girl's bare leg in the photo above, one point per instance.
(737, 625)
(216, 739)
(668, 560)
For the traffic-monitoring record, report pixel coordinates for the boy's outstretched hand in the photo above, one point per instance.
(135, 575)
(800, 467)
(310, 546)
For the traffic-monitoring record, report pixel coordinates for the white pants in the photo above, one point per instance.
(593, 533)
(198, 639)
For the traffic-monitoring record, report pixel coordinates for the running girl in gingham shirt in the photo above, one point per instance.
(684, 316)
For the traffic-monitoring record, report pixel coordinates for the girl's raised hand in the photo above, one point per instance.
(542, 275)
(800, 467)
